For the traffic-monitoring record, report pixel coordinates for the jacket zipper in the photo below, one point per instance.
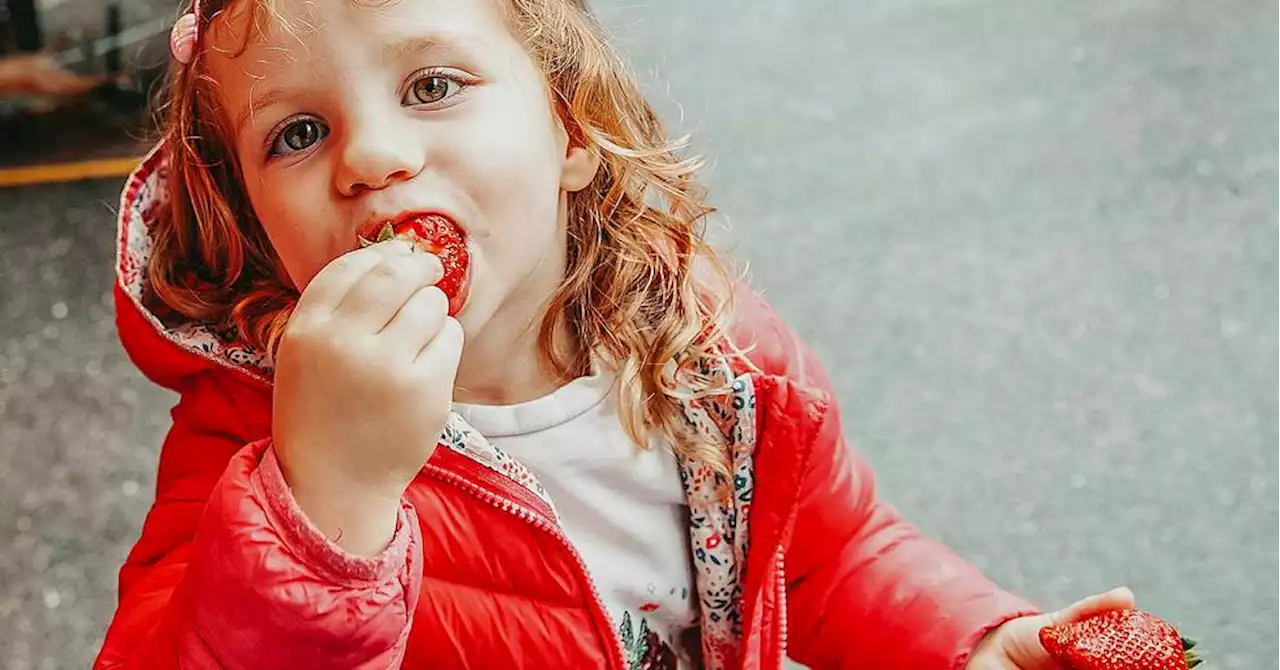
(781, 584)
(598, 610)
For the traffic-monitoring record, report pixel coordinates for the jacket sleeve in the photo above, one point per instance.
(866, 589)
(228, 573)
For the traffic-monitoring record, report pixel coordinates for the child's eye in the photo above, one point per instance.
(297, 136)
(431, 89)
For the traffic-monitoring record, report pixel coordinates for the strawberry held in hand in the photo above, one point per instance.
(1120, 639)
(440, 236)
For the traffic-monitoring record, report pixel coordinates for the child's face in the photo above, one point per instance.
(362, 112)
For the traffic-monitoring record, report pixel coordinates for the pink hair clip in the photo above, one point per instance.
(185, 34)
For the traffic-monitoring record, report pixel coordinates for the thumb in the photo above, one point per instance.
(1118, 598)
(1023, 643)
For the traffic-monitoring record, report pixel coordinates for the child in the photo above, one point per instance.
(631, 463)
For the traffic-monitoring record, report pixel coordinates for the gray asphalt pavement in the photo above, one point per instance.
(1034, 242)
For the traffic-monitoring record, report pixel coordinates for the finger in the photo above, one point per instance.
(326, 290)
(1118, 598)
(378, 295)
(1016, 644)
(444, 350)
(418, 320)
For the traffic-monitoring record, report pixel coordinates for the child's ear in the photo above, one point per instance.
(580, 161)
(579, 168)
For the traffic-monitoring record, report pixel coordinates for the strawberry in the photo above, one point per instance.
(1122, 639)
(437, 235)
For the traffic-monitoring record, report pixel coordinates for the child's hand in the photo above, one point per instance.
(1016, 644)
(363, 385)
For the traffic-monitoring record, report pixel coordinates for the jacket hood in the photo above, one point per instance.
(166, 347)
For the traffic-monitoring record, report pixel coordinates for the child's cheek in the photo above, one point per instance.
(306, 233)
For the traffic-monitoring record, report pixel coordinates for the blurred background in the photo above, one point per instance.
(1034, 243)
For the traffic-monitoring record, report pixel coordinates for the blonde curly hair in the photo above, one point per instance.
(643, 289)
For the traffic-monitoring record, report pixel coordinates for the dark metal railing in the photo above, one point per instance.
(20, 26)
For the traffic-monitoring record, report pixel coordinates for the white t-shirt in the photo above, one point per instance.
(622, 507)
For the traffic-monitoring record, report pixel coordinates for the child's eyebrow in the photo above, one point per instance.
(260, 102)
(448, 42)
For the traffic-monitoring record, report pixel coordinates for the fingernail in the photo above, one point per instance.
(1121, 592)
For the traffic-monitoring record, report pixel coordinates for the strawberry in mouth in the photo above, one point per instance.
(440, 236)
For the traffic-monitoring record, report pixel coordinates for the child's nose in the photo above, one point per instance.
(374, 157)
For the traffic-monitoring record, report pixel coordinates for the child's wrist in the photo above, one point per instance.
(357, 516)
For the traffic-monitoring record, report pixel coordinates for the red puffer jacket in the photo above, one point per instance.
(229, 573)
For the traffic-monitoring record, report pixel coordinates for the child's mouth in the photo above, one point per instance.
(441, 236)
